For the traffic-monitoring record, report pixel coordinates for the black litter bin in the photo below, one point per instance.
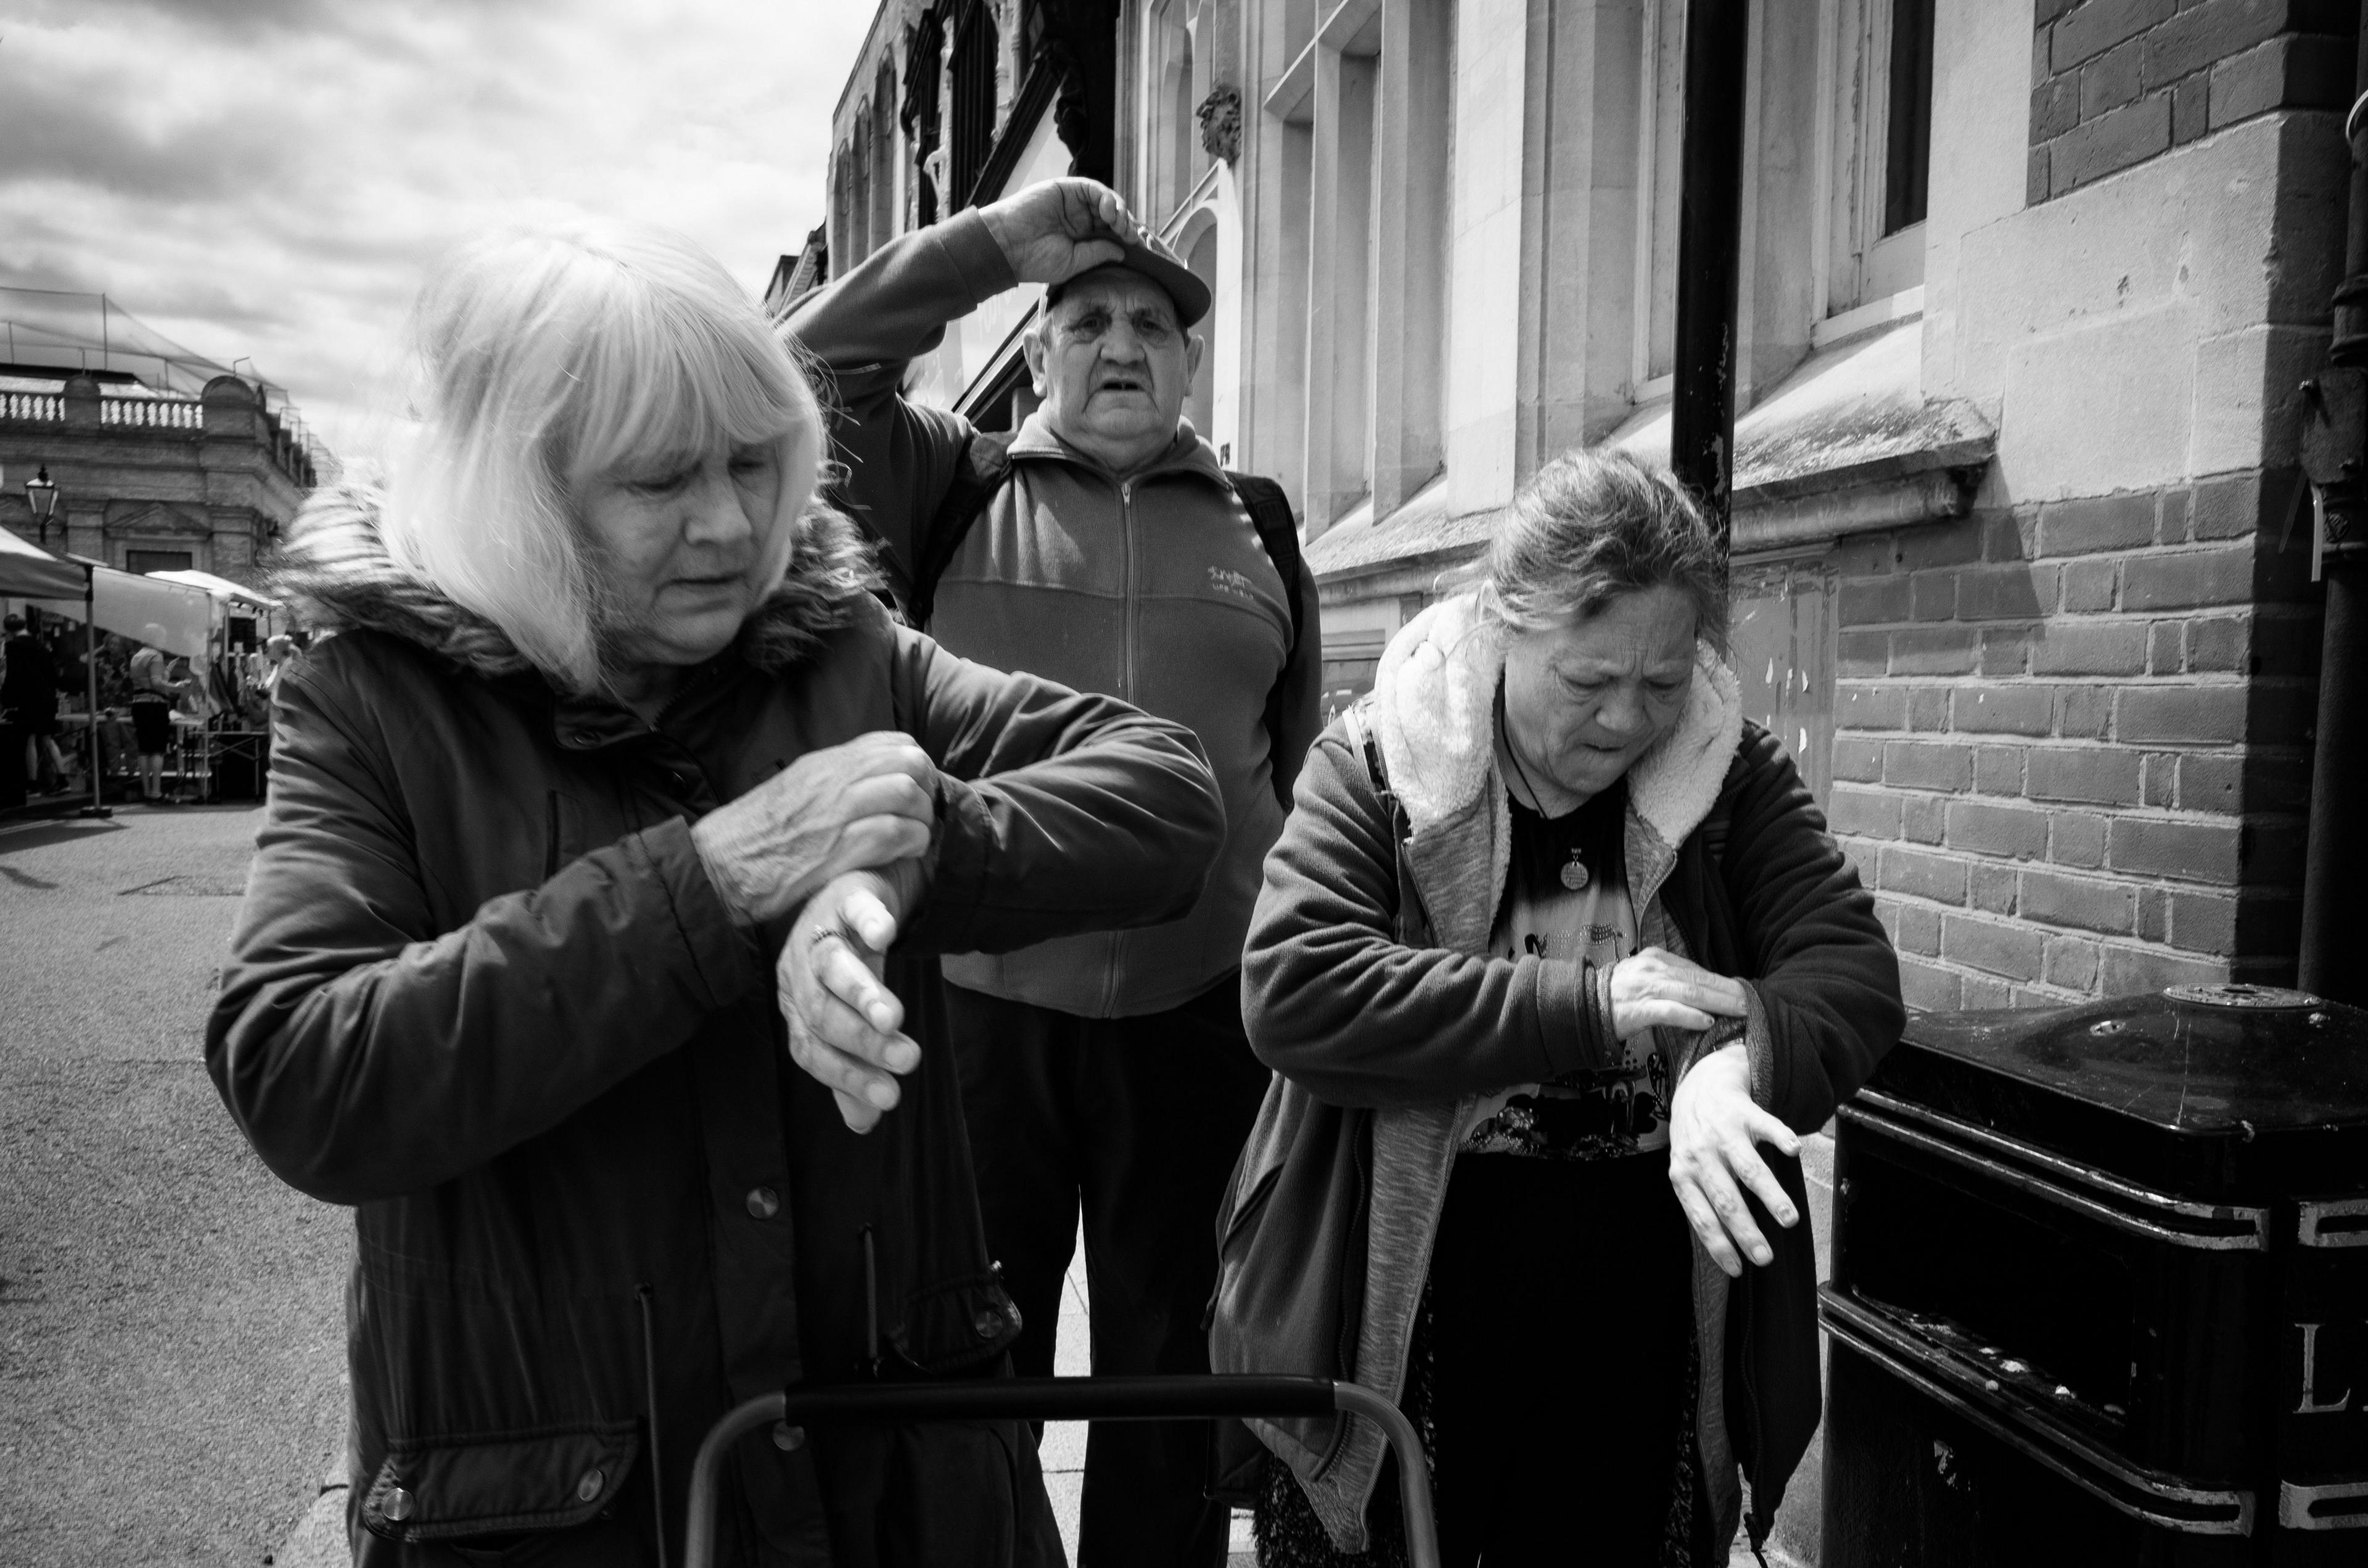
(2101, 1288)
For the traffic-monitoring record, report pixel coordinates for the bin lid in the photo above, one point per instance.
(2219, 1092)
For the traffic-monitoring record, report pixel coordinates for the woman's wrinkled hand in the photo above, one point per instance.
(866, 804)
(1715, 1132)
(844, 1024)
(1656, 988)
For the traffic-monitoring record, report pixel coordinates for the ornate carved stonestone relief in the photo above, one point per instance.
(1221, 122)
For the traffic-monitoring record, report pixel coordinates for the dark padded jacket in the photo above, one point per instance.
(482, 991)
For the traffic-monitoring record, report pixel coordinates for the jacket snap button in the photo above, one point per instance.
(989, 1322)
(589, 1487)
(398, 1503)
(764, 1202)
(787, 1439)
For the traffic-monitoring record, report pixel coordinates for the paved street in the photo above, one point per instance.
(170, 1361)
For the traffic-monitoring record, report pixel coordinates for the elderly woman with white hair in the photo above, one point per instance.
(1555, 962)
(611, 745)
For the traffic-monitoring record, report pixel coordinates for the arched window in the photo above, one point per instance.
(1184, 128)
(883, 156)
(860, 196)
(973, 136)
(1201, 402)
(843, 254)
(1174, 131)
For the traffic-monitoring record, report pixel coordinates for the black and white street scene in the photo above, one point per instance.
(1186, 783)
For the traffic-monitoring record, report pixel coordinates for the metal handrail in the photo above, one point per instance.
(1063, 1399)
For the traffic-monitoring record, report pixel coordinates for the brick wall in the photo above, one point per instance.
(2115, 82)
(2071, 741)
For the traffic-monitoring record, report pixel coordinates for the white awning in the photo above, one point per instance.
(172, 616)
(220, 588)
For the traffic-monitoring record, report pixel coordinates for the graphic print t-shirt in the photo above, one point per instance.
(1567, 898)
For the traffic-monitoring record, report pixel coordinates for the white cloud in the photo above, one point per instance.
(269, 178)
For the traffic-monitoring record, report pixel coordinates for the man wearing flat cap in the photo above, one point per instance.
(1103, 546)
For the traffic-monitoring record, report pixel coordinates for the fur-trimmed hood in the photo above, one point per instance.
(1434, 706)
(335, 571)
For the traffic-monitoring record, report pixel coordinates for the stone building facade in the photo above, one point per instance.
(2028, 292)
(149, 483)
(2028, 288)
(952, 103)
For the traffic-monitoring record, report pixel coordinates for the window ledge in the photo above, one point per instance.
(1894, 310)
(1847, 443)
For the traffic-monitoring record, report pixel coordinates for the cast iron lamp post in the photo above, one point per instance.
(42, 496)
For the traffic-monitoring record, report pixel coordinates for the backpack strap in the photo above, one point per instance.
(984, 468)
(1277, 530)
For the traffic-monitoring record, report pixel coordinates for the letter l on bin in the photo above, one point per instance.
(2101, 1288)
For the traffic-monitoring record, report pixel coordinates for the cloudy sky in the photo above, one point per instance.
(269, 178)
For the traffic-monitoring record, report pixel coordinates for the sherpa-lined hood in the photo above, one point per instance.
(1434, 701)
(335, 571)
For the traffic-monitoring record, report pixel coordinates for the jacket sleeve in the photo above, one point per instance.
(1336, 1002)
(1064, 813)
(861, 332)
(1824, 979)
(366, 1054)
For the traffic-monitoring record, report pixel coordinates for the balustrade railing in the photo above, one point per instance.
(32, 405)
(153, 412)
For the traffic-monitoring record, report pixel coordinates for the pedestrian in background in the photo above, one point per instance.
(28, 690)
(612, 747)
(1553, 944)
(155, 690)
(1104, 546)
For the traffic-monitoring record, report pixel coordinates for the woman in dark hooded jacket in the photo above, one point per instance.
(1556, 941)
(610, 742)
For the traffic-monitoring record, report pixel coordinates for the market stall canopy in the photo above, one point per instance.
(29, 571)
(173, 617)
(220, 588)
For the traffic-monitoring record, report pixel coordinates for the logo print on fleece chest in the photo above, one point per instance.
(1233, 585)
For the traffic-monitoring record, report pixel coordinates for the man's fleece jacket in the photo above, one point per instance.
(1152, 587)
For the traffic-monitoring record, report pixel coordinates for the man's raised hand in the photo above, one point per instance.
(1051, 232)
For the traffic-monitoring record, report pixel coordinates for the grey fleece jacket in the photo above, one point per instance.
(1151, 587)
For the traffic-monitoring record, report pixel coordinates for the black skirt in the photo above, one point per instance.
(152, 725)
(1553, 1377)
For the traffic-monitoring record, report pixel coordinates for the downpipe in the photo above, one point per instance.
(1710, 237)
(2335, 463)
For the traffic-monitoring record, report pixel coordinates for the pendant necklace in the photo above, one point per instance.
(1573, 874)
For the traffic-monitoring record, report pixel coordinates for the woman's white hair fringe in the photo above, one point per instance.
(549, 355)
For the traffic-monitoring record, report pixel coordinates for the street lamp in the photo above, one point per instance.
(42, 496)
